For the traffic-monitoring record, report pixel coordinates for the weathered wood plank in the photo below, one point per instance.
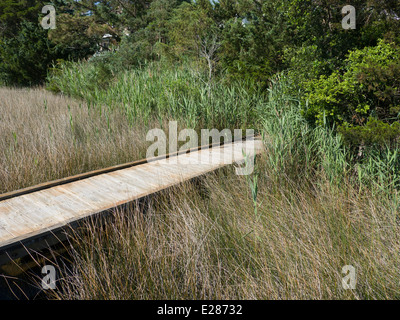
(34, 214)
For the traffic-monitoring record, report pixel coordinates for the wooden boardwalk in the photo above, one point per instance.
(34, 217)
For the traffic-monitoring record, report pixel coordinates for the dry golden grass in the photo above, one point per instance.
(46, 137)
(202, 240)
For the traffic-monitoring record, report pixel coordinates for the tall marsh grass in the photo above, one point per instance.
(160, 91)
(284, 233)
(203, 241)
(46, 137)
(295, 147)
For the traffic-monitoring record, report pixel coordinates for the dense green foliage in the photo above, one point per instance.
(12, 13)
(345, 78)
(26, 58)
(27, 51)
(368, 86)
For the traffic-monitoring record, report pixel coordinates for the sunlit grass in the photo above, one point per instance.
(284, 232)
(46, 137)
(159, 91)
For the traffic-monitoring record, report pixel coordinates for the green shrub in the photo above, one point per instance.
(374, 133)
(24, 59)
(367, 87)
(303, 65)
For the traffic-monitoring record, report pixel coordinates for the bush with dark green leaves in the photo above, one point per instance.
(374, 133)
(367, 86)
(24, 59)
